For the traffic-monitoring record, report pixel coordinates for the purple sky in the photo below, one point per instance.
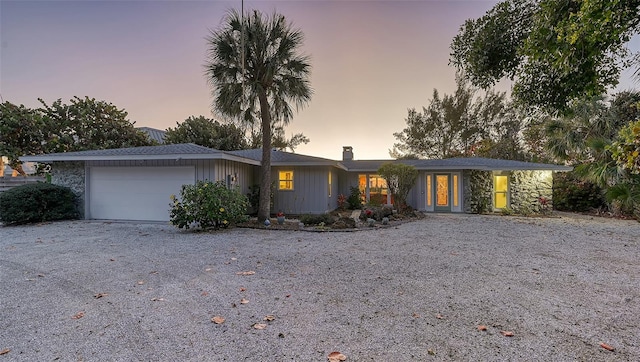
(371, 60)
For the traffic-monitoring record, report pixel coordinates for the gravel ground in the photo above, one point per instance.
(87, 291)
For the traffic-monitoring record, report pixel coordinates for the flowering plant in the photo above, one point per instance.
(280, 214)
(545, 205)
(342, 199)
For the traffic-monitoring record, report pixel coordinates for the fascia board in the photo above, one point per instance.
(310, 164)
(220, 156)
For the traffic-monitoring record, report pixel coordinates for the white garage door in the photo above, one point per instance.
(135, 193)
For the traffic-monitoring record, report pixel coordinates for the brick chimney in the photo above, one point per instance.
(347, 153)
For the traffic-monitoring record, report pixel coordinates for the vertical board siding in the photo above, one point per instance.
(309, 194)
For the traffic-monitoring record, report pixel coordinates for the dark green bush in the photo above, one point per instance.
(570, 193)
(355, 198)
(209, 205)
(37, 202)
(317, 219)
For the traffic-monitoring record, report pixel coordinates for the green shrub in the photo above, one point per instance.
(317, 219)
(38, 202)
(355, 198)
(400, 180)
(209, 205)
(573, 194)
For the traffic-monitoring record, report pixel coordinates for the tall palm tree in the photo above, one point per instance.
(274, 76)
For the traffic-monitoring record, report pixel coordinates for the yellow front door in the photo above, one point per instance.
(443, 202)
(501, 189)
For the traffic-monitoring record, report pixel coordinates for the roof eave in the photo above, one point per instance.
(177, 157)
(321, 163)
(479, 168)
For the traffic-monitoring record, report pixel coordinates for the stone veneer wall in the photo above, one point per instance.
(478, 190)
(71, 175)
(526, 187)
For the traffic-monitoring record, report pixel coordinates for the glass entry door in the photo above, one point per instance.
(443, 192)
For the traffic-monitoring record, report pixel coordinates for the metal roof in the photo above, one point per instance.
(282, 158)
(187, 151)
(154, 134)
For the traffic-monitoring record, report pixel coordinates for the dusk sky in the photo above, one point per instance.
(371, 60)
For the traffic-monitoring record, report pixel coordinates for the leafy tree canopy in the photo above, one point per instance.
(88, 124)
(582, 133)
(279, 140)
(554, 50)
(461, 124)
(84, 124)
(208, 133)
(22, 132)
(626, 150)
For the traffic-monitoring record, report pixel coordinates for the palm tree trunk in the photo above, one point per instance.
(264, 206)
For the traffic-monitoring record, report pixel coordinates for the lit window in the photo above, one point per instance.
(429, 190)
(285, 180)
(329, 183)
(377, 190)
(455, 190)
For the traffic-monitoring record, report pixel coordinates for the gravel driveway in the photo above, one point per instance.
(89, 291)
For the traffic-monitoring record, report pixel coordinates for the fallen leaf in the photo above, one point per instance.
(112, 259)
(41, 275)
(416, 315)
(269, 318)
(153, 272)
(78, 315)
(606, 346)
(244, 301)
(141, 282)
(217, 319)
(243, 289)
(431, 352)
(5, 351)
(336, 357)
(507, 333)
(208, 269)
(204, 294)
(248, 272)
(157, 299)
(100, 295)
(482, 328)
(259, 326)
(439, 316)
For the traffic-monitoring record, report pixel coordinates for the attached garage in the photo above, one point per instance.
(136, 183)
(135, 193)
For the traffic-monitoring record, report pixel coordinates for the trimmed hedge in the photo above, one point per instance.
(38, 202)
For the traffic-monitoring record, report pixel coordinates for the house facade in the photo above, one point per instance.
(136, 183)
